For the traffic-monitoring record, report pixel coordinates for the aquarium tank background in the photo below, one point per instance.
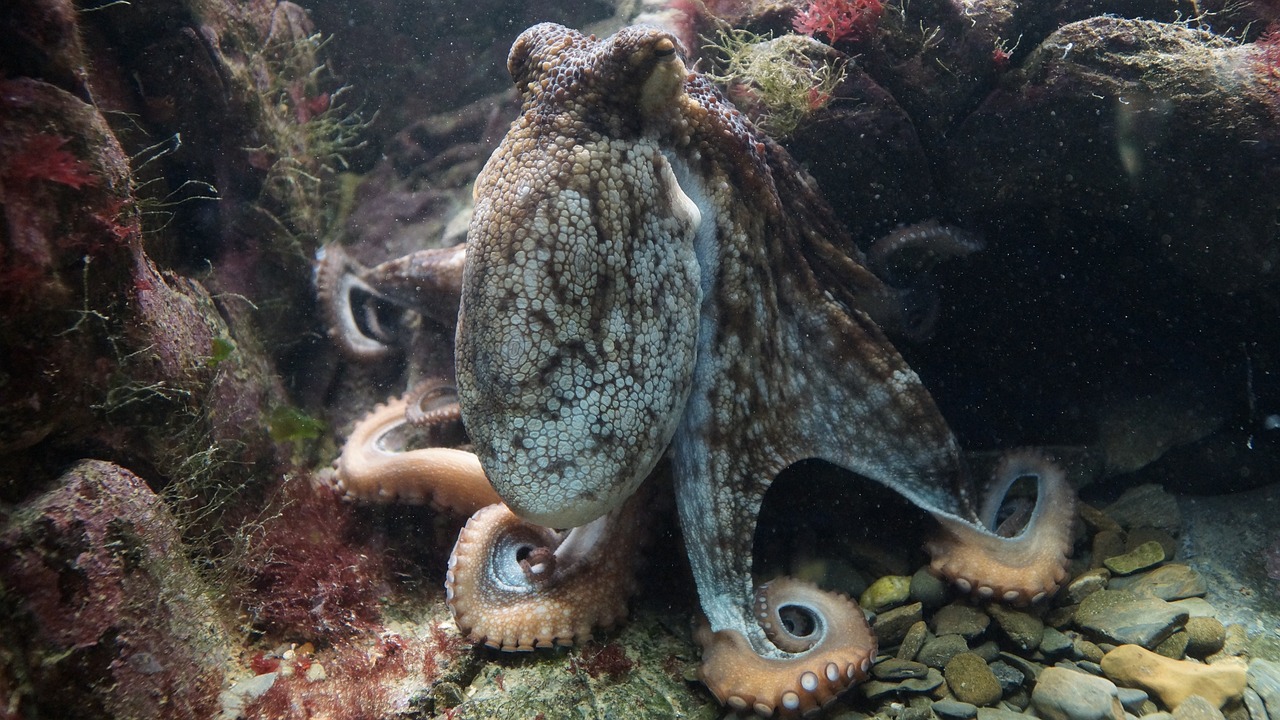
(907, 359)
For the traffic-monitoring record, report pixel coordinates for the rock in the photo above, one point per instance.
(1174, 581)
(1132, 699)
(1062, 694)
(1085, 585)
(1174, 646)
(1148, 554)
(959, 619)
(1254, 705)
(949, 709)
(971, 680)
(1106, 544)
(1125, 618)
(1055, 644)
(1197, 708)
(1096, 520)
(1264, 678)
(875, 689)
(1009, 677)
(119, 620)
(893, 669)
(887, 592)
(1173, 681)
(1197, 607)
(938, 651)
(1205, 636)
(1147, 506)
(891, 626)
(1141, 535)
(928, 589)
(1023, 630)
(999, 714)
(1083, 649)
(913, 641)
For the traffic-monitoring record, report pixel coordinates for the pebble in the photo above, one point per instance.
(1023, 630)
(1009, 677)
(1086, 650)
(949, 709)
(1125, 618)
(938, 651)
(1108, 543)
(876, 689)
(999, 714)
(1055, 644)
(1146, 506)
(1148, 554)
(913, 641)
(1174, 581)
(1132, 699)
(971, 680)
(891, 626)
(1030, 671)
(1197, 708)
(1254, 705)
(886, 592)
(1095, 519)
(1264, 679)
(1063, 694)
(1085, 585)
(1205, 636)
(1173, 681)
(892, 669)
(956, 619)
(1197, 607)
(928, 589)
(1138, 535)
(1174, 646)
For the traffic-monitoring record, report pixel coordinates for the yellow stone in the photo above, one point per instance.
(1173, 681)
(889, 591)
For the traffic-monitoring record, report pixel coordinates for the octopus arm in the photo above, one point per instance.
(370, 470)
(1019, 569)
(514, 585)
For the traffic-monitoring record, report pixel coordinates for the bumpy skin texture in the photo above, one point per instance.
(647, 274)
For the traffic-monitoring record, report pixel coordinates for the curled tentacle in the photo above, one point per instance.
(369, 469)
(336, 279)
(905, 260)
(514, 585)
(433, 407)
(1025, 567)
(826, 647)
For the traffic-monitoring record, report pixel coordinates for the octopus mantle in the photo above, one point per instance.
(648, 276)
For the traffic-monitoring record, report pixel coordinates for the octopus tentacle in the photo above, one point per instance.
(1026, 567)
(827, 648)
(513, 585)
(369, 470)
(433, 407)
(336, 280)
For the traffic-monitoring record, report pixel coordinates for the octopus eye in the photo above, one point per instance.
(664, 48)
(518, 60)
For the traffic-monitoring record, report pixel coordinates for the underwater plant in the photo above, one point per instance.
(838, 20)
(776, 81)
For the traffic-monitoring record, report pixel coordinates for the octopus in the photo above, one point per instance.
(651, 284)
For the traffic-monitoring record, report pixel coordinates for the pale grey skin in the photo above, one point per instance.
(646, 273)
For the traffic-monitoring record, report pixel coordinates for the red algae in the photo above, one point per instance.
(311, 575)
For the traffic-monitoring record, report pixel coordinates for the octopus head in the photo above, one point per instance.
(577, 333)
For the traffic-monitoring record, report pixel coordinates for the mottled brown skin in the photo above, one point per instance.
(647, 274)
(638, 247)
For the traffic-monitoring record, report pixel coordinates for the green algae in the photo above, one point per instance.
(779, 81)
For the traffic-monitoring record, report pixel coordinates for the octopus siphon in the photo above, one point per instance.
(647, 276)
